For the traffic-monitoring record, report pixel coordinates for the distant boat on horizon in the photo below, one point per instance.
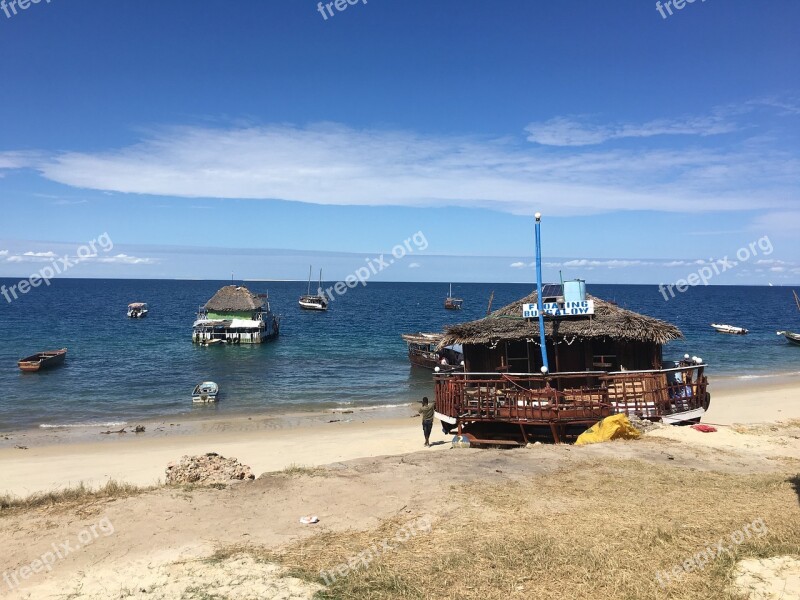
(451, 303)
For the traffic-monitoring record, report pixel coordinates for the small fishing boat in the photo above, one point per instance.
(730, 329)
(214, 342)
(205, 392)
(451, 303)
(137, 310)
(792, 338)
(42, 360)
(316, 301)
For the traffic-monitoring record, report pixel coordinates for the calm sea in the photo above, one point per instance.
(124, 370)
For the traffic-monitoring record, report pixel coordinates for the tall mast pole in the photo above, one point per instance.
(542, 339)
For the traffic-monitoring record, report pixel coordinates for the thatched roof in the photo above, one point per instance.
(234, 298)
(609, 321)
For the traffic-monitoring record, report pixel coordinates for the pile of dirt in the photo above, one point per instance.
(207, 469)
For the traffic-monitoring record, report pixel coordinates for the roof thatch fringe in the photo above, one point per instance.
(234, 298)
(609, 321)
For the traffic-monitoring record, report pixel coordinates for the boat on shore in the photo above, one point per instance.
(451, 303)
(137, 310)
(205, 392)
(730, 329)
(42, 360)
(311, 301)
(792, 338)
(423, 352)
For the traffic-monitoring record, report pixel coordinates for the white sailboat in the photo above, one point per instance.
(316, 301)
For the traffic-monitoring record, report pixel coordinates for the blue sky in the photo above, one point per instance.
(226, 131)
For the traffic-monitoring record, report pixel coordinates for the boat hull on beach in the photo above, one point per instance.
(42, 360)
(608, 364)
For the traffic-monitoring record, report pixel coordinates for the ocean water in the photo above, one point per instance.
(125, 370)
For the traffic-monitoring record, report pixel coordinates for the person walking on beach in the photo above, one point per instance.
(427, 419)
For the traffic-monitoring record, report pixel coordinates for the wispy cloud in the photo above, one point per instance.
(334, 164)
(570, 131)
(414, 265)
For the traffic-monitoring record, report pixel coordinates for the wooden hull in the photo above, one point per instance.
(42, 360)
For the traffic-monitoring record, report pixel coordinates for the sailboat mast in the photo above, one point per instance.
(319, 288)
(308, 292)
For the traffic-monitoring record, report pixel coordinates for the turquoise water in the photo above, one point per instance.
(123, 370)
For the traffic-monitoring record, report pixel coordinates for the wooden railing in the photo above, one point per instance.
(527, 398)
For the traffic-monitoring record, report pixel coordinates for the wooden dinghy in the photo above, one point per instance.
(42, 360)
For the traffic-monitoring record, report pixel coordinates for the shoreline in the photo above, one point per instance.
(285, 415)
(56, 459)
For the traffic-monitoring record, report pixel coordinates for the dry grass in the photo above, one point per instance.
(600, 530)
(81, 493)
(299, 470)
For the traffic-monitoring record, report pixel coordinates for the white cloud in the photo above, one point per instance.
(566, 131)
(611, 264)
(32, 257)
(414, 265)
(518, 265)
(127, 260)
(335, 165)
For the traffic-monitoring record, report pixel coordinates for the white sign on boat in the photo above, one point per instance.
(567, 309)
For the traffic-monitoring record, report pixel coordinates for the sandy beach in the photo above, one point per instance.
(54, 459)
(244, 540)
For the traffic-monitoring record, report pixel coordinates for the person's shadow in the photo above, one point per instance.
(795, 481)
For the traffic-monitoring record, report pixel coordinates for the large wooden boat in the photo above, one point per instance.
(423, 352)
(604, 363)
(451, 303)
(42, 360)
(235, 315)
(316, 301)
(730, 329)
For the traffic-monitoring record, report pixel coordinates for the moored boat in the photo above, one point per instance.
(730, 329)
(422, 352)
(42, 360)
(451, 303)
(316, 301)
(204, 392)
(137, 310)
(792, 338)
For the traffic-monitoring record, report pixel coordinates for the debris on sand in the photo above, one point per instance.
(208, 468)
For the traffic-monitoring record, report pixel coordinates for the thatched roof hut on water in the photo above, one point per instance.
(612, 338)
(235, 315)
(234, 299)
